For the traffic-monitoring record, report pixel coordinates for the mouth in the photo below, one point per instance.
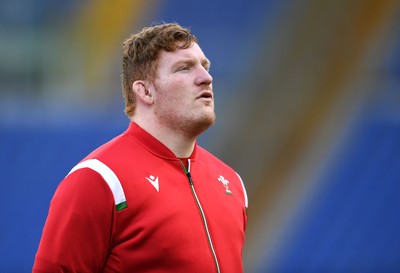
(205, 95)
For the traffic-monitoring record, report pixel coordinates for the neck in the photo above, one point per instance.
(180, 144)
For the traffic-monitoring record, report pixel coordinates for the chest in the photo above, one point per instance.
(173, 218)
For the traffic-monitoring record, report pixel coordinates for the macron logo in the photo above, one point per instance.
(154, 181)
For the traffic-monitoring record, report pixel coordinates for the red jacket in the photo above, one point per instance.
(131, 206)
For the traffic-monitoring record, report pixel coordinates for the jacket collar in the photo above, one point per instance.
(152, 144)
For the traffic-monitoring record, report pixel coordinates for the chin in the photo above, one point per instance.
(194, 127)
(204, 124)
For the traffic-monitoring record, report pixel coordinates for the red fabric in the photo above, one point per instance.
(158, 231)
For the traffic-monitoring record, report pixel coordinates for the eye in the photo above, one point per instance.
(183, 68)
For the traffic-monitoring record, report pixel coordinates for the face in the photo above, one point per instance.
(183, 96)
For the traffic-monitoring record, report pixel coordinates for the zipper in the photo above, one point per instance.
(203, 216)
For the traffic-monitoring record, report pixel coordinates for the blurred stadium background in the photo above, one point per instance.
(308, 106)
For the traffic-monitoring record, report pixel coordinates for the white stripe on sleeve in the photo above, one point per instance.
(108, 175)
(244, 192)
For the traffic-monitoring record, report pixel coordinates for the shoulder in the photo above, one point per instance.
(83, 182)
(92, 174)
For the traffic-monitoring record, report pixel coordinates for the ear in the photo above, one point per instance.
(140, 88)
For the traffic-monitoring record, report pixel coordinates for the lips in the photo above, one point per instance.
(205, 95)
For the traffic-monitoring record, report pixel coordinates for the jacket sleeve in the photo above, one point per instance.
(78, 233)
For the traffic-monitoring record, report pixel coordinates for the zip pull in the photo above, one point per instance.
(187, 171)
(189, 176)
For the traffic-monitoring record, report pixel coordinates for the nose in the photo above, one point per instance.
(203, 77)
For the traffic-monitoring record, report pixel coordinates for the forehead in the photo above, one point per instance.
(193, 52)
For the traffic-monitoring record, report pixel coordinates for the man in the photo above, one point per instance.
(151, 199)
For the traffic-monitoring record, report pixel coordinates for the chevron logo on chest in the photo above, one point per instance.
(154, 181)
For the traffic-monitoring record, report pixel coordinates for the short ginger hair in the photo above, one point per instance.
(140, 55)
